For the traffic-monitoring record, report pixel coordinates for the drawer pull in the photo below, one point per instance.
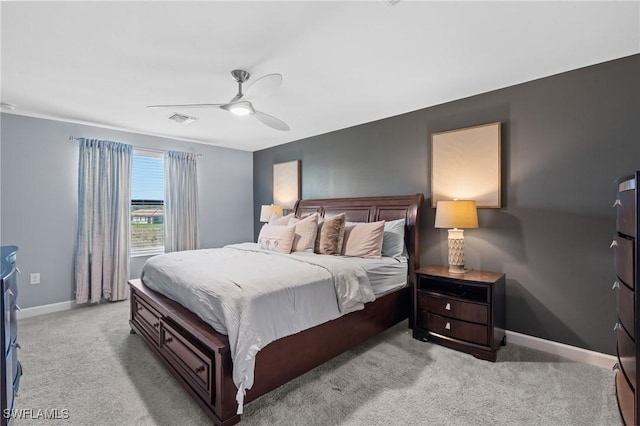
(200, 369)
(616, 203)
(139, 308)
(447, 326)
(448, 307)
(614, 243)
(616, 285)
(18, 270)
(156, 324)
(18, 308)
(16, 345)
(11, 293)
(168, 340)
(617, 327)
(615, 367)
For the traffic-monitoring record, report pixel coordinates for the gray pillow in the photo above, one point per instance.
(393, 239)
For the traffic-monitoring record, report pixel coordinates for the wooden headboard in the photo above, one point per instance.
(372, 209)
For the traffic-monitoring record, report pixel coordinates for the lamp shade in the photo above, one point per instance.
(268, 210)
(456, 214)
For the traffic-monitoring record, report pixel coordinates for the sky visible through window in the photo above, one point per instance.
(147, 180)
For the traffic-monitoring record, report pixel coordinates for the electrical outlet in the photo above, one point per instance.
(35, 278)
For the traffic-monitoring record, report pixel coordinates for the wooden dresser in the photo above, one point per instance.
(625, 245)
(10, 369)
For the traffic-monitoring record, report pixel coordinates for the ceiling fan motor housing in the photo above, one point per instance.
(240, 75)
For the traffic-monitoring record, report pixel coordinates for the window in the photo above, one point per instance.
(147, 204)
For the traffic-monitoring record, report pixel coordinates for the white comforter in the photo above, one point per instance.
(256, 296)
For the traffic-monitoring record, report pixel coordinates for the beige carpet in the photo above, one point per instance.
(85, 361)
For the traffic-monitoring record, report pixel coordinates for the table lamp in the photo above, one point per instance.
(455, 215)
(267, 211)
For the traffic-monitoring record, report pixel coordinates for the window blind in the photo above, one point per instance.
(147, 178)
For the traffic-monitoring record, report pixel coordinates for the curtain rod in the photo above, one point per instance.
(73, 138)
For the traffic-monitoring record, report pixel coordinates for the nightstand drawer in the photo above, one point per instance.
(453, 308)
(462, 330)
(626, 214)
(623, 254)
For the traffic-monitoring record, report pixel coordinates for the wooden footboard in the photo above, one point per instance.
(200, 359)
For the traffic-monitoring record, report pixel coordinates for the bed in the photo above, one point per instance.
(200, 358)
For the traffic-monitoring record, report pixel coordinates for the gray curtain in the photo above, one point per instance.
(104, 204)
(180, 201)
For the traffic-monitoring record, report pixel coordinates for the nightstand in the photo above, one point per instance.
(465, 312)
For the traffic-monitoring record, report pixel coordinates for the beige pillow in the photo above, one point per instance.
(364, 240)
(277, 238)
(305, 232)
(331, 235)
(277, 220)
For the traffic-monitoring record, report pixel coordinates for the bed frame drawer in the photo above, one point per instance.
(623, 254)
(185, 356)
(147, 317)
(462, 330)
(454, 308)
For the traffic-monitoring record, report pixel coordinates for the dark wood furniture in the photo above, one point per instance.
(626, 249)
(465, 312)
(200, 358)
(10, 368)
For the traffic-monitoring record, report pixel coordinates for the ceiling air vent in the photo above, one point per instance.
(183, 119)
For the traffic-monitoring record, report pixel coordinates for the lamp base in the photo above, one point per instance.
(458, 269)
(456, 251)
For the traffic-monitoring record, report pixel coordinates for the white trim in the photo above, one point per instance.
(45, 309)
(571, 352)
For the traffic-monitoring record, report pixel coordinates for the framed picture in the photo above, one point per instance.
(465, 164)
(286, 184)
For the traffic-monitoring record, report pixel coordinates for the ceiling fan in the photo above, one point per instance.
(240, 103)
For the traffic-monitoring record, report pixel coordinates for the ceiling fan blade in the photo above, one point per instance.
(186, 106)
(264, 86)
(271, 121)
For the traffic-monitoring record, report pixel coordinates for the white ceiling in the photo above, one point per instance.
(343, 63)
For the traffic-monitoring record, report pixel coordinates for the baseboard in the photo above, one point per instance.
(567, 351)
(45, 309)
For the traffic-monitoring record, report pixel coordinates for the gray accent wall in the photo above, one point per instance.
(39, 187)
(565, 139)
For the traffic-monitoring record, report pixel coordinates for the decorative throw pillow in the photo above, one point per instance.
(393, 239)
(331, 235)
(305, 232)
(277, 220)
(277, 238)
(364, 240)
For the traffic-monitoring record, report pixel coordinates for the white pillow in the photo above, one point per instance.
(277, 220)
(393, 239)
(306, 230)
(277, 238)
(364, 240)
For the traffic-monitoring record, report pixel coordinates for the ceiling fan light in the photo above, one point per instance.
(240, 108)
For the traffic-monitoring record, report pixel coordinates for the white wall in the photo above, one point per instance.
(38, 184)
